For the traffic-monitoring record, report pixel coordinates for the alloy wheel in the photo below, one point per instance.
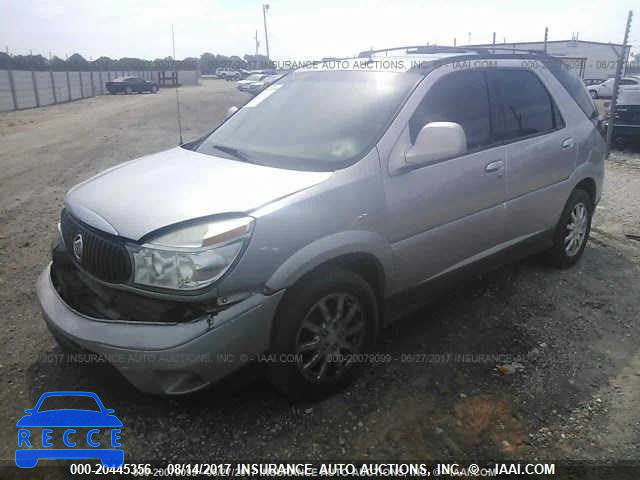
(576, 229)
(332, 332)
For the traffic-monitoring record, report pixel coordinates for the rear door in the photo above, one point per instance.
(540, 149)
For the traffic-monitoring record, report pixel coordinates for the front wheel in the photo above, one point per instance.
(154, 89)
(594, 94)
(572, 230)
(324, 328)
(128, 90)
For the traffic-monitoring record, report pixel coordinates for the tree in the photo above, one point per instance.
(208, 63)
(77, 62)
(57, 64)
(104, 63)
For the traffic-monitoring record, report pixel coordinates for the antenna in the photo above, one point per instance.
(175, 83)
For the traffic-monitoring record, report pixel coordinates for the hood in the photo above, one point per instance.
(151, 192)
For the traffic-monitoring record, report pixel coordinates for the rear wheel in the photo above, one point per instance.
(572, 230)
(323, 327)
(128, 90)
(154, 89)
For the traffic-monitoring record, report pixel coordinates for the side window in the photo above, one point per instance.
(572, 84)
(626, 81)
(459, 97)
(528, 107)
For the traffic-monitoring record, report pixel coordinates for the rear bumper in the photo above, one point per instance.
(167, 359)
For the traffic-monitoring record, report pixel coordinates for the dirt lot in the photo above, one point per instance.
(571, 338)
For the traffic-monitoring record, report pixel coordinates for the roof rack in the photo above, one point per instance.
(426, 49)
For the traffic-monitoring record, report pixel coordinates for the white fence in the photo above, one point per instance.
(25, 89)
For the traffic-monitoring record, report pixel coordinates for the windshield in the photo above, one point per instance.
(64, 402)
(313, 120)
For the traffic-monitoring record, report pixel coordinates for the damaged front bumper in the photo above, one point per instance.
(173, 358)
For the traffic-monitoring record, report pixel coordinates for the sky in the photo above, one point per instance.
(298, 29)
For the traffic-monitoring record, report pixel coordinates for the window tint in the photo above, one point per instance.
(528, 108)
(625, 81)
(574, 87)
(459, 97)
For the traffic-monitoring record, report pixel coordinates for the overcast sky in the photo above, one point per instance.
(298, 29)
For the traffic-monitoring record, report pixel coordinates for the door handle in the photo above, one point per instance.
(494, 166)
(568, 143)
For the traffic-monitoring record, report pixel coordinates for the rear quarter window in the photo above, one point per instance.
(574, 87)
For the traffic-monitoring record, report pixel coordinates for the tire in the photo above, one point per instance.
(594, 94)
(154, 89)
(620, 142)
(323, 363)
(128, 90)
(567, 251)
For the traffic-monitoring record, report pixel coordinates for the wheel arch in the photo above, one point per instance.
(364, 253)
(588, 184)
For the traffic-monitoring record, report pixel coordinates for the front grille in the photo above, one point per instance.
(102, 255)
(89, 297)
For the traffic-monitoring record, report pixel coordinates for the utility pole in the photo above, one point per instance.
(616, 82)
(494, 42)
(257, 46)
(546, 37)
(265, 7)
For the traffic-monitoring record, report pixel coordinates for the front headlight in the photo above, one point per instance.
(191, 257)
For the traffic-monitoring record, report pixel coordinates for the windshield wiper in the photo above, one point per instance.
(234, 152)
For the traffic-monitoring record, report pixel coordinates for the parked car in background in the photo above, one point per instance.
(227, 74)
(592, 81)
(298, 224)
(605, 89)
(256, 87)
(254, 77)
(130, 85)
(626, 117)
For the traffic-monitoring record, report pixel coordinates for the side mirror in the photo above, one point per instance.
(231, 111)
(437, 141)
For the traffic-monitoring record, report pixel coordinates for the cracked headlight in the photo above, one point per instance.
(191, 257)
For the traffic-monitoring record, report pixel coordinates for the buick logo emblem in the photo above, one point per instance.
(77, 247)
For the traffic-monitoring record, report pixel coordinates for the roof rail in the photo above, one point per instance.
(425, 49)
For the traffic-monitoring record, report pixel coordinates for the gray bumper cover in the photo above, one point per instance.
(167, 359)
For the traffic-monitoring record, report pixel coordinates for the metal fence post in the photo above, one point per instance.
(12, 86)
(33, 80)
(616, 82)
(53, 87)
(81, 87)
(101, 83)
(68, 85)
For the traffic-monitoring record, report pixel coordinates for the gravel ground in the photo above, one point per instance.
(525, 362)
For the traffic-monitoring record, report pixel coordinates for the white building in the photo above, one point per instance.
(592, 60)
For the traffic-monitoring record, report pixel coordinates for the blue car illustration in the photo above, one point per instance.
(32, 446)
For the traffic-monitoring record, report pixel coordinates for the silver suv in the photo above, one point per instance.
(294, 231)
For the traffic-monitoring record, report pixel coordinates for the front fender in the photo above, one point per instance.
(331, 247)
